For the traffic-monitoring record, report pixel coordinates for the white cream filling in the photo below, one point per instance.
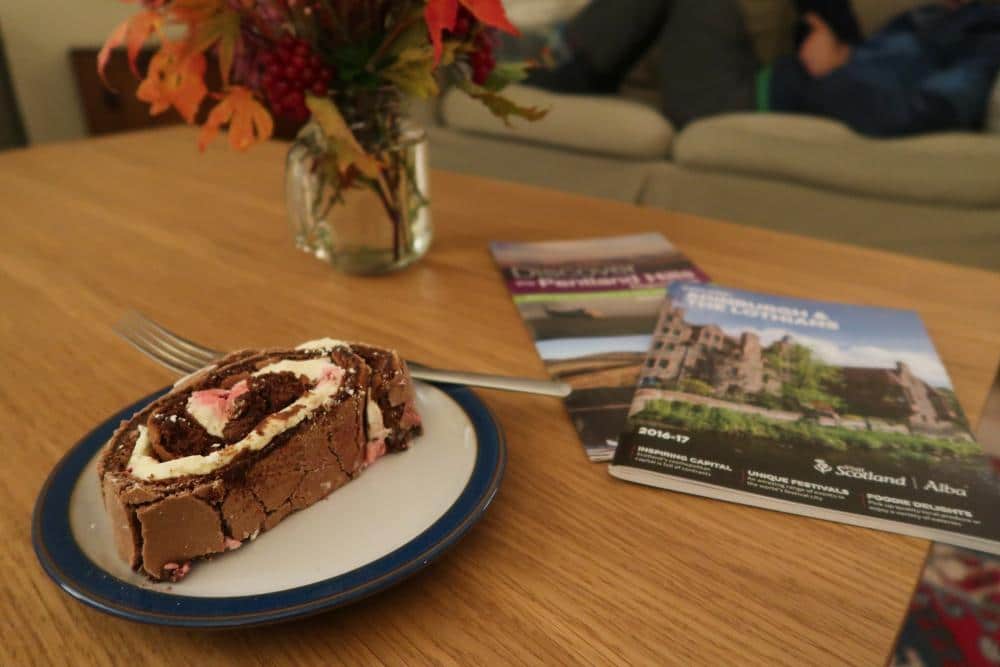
(376, 424)
(310, 368)
(214, 422)
(208, 416)
(323, 344)
(144, 466)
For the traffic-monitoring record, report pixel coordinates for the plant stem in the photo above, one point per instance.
(383, 48)
(390, 210)
(399, 223)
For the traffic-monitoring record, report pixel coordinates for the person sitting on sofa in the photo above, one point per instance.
(929, 69)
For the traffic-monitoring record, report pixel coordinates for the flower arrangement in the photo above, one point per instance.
(342, 64)
(285, 57)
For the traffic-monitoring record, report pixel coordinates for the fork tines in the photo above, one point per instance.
(164, 346)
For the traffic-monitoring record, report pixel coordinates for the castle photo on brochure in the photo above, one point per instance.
(845, 376)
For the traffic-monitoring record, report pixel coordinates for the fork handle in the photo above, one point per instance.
(502, 382)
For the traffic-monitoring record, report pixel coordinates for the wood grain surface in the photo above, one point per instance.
(569, 565)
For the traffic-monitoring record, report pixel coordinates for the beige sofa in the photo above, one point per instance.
(934, 196)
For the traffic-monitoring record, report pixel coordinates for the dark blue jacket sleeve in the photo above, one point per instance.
(877, 101)
(927, 70)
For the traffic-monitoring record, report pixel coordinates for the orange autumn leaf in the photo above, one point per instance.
(133, 32)
(249, 122)
(441, 15)
(195, 11)
(223, 29)
(176, 79)
(210, 23)
(491, 13)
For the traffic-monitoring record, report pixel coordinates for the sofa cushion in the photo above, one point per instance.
(589, 175)
(601, 125)
(954, 168)
(962, 236)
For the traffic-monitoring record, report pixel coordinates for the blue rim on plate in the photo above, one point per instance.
(65, 562)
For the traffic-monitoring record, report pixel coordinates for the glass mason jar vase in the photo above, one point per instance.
(358, 223)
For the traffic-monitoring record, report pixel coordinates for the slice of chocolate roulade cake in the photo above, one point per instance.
(235, 448)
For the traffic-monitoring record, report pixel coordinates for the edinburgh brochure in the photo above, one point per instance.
(590, 306)
(827, 410)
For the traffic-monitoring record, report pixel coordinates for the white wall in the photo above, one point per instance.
(38, 35)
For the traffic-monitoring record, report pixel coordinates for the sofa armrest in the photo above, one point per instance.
(537, 14)
(609, 126)
(945, 169)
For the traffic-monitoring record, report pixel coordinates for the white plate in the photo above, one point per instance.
(365, 535)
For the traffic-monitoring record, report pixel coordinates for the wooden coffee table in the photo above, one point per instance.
(569, 565)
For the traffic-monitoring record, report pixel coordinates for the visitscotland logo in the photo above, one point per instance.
(822, 466)
(857, 472)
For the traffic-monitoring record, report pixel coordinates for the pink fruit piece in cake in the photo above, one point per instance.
(212, 408)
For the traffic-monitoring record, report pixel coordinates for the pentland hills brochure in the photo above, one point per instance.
(840, 412)
(590, 306)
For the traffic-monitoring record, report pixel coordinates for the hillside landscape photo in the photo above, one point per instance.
(711, 371)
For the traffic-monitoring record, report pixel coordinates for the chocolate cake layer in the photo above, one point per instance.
(235, 448)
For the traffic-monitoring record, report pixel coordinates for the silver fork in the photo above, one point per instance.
(185, 356)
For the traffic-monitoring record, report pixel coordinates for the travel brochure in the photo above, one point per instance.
(590, 306)
(835, 411)
(828, 410)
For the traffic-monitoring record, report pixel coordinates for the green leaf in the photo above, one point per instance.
(413, 72)
(413, 36)
(343, 145)
(413, 69)
(229, 35)
(222, 28)
(500, 106)
(505, 74)
(350, 61)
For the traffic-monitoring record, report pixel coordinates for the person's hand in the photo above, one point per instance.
(821, 52)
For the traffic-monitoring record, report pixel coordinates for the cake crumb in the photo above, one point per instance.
(176, 571)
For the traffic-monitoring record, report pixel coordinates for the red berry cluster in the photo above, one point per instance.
(463, 23)
(482, 59)
(290, 71)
